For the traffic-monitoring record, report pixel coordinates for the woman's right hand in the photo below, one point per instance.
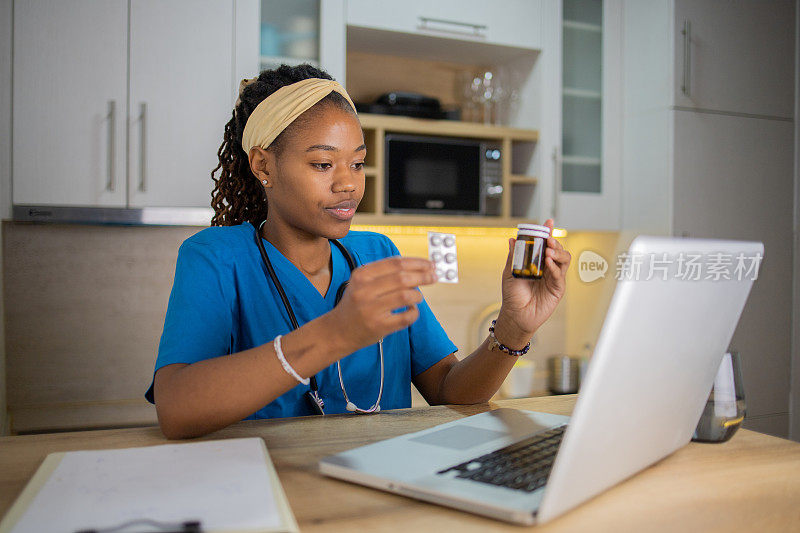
(364, 315)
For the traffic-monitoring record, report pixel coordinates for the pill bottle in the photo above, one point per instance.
(529, 250)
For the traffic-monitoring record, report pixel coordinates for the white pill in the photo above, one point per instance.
(436, 256)
(451, 274)
(450, 258)
(449, 241)
(436, 240)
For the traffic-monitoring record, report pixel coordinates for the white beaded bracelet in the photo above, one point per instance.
(285, 364)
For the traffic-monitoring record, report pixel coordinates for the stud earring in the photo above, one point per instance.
(264, 182)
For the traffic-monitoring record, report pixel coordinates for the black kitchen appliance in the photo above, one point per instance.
(408, 104)
(444, 175)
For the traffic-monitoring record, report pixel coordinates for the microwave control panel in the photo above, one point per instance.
(491, 177)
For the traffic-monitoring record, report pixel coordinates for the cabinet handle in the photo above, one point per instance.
(143, 147)
(112, 128)
(473, 30)
(556, 181)
(687, 56)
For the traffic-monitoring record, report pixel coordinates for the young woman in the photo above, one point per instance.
(291, 174)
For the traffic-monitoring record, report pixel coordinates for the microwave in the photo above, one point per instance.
(442, 175)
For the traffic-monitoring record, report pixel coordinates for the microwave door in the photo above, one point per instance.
(430, 174)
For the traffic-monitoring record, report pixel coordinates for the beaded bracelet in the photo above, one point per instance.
(502, 347)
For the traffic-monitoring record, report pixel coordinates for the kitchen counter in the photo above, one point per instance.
(751, 483)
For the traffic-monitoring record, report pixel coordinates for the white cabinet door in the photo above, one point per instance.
(514, 23)
(511, 22)
(181, 97)
(587, 163)
(69, 98)
(740, 56)
(734, 180)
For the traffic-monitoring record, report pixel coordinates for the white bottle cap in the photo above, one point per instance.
(534, 227)
(534, 230)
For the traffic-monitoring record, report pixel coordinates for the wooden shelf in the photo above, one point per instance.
(521, 179)
(445, 127)
(390, 219)
(582, 93)
(584, 26)
(581, 160)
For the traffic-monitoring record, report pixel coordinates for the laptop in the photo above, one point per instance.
(667, 327)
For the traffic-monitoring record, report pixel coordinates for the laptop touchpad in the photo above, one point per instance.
(459, 437)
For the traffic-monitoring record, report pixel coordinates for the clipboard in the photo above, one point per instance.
(236, 491)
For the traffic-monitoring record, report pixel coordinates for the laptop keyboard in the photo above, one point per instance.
(524, 465)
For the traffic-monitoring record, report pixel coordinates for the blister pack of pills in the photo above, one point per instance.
(442, 251)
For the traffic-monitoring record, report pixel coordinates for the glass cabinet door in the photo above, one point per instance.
(588, 163)
(582, 96)
(289, 32)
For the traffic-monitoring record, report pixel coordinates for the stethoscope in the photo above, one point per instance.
(313, 395)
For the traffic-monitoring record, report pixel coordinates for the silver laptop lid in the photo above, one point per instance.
(671, 318)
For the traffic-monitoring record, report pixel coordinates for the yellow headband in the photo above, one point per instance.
(282, 107)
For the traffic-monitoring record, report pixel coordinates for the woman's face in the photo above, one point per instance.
(317, 180)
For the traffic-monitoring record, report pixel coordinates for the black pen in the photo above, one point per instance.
(192, 526)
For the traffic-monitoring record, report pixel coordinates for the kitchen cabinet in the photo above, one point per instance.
(582, 114)
(516, 23)
(70, 102)
(733, 179)
(181, 86)
(720, 168)
(655, 120)
(123, 103)
(728, 59)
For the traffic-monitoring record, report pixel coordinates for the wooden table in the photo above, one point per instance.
(751, 483)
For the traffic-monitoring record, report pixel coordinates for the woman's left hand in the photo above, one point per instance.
(527, 303)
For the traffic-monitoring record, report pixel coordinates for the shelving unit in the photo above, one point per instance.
(518, 145)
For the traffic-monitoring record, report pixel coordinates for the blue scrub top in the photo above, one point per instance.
(223, 302)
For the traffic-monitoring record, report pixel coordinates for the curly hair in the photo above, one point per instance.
(238, 196)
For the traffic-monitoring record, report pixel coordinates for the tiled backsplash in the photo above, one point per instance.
(85, 306)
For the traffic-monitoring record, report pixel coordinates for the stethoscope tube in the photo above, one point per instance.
(353, 408)
(313, 394)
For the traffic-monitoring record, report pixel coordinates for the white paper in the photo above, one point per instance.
(225, 484)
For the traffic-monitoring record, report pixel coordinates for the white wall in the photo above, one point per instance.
(6, 18)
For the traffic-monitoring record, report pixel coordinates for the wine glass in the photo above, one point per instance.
(725, 408)
(488, 95)
(469, 92)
